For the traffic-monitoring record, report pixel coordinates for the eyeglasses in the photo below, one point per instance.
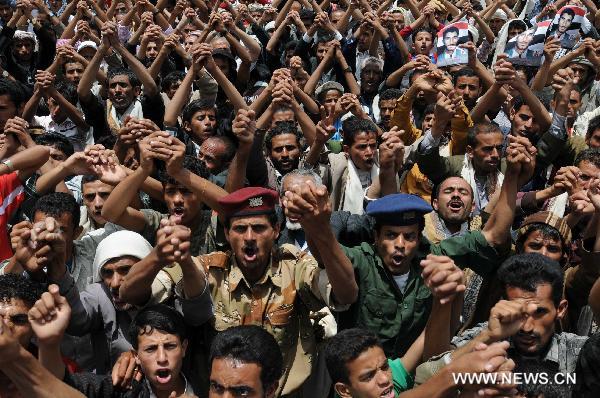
(17, 319)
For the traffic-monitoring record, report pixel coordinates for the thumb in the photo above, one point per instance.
(58, 299)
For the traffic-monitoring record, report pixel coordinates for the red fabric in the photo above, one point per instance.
(249, 200)
(11, 196)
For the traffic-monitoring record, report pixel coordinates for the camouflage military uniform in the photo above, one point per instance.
(280, 301)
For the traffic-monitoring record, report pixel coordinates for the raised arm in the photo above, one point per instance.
(311, 205)
(137, 285)
(27, 161)
(244, 128)
(49, 318)
(520, 157)
(204, 50)
(150, 88)
(84, 88)
(535, 105)
(172, 152)
(116, 208)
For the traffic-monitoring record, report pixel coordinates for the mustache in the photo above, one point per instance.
(528, 335)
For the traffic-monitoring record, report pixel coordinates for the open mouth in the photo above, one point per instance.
(397, 259)
(250, 253)
(163, 376)
(455, 205)
(178, 213)
(388, 393)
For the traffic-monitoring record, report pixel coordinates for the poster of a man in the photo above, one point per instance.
(448, 44)
(566, 26)
(517, 46)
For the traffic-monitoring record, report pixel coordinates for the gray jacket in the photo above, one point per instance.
(93, 312)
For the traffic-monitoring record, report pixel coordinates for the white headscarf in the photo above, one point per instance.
(119, 244)
(24, 35)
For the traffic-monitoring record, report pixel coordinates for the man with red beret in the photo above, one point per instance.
(258, 283)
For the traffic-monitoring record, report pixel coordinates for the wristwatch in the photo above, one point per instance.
(5, 74)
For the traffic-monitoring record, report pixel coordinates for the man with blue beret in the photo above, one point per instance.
(393, 300)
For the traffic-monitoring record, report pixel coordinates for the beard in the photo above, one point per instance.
(292, 226)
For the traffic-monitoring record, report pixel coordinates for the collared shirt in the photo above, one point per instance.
(280, 301)
(563, 351)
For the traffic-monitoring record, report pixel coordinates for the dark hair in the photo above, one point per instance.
(593, 125)
(172, 78)
(390, 94)
(250, 344)
(356, 126)
(133, 79)
(281, 128)
(325, 38)
(291, 45)
(464, 72)
(204, 104)
(57, 141)
(520, 101)
(191, 163)
(157, 317)
(108, 141)
(430, 108)
(345, 347)
(529, 270)
(569, 11)
(481, 128)
(547, 232)
(56, 204)
(435, 193)
(307, 13)
(70, 61)
(87, 179)
(13, 90)
(69, 91)
(588, 369)
(451, 29)
(422, 29)
(16, 286)
(591, 155)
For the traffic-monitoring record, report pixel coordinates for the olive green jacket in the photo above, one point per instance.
(398, 318)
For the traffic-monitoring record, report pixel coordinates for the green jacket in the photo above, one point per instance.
(399, 318)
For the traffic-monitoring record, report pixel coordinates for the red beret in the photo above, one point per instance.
(249, 201)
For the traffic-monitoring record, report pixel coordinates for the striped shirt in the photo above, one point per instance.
(11, 196)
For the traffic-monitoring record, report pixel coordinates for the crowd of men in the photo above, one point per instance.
(289, 198)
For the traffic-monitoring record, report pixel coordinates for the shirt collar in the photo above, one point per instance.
(236, 275)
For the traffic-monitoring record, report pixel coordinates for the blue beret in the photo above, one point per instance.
(399, 209)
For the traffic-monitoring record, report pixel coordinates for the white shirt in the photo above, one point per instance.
(79, 138)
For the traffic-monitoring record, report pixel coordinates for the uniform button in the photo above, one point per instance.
(405, 305)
